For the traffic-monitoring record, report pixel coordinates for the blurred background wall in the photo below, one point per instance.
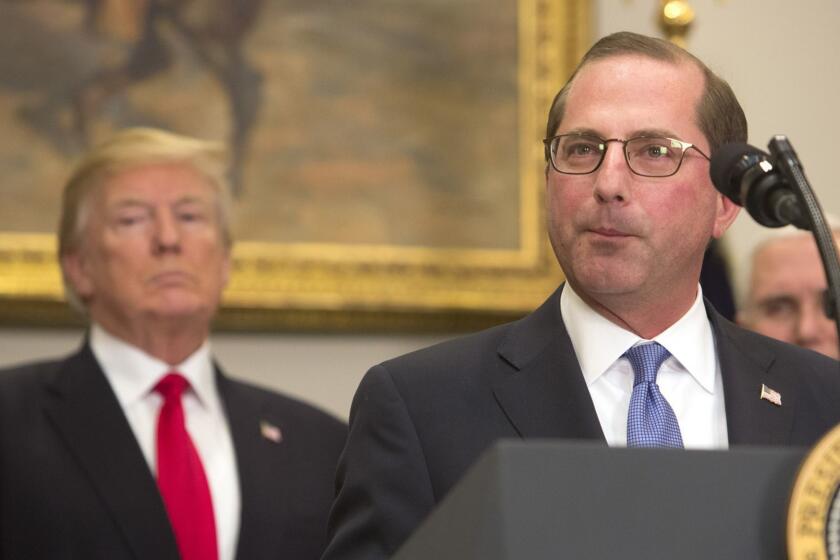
(780, 58)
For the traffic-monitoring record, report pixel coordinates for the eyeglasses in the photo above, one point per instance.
(648, 156)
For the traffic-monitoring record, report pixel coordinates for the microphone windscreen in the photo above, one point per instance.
(728, 166)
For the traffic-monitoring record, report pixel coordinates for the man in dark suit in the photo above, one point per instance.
(138, 445)
(625, 352)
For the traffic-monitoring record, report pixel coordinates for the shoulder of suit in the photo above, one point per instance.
(460, 348)
(24, 387)
(287, 406)
(29, 372)
(787, 357)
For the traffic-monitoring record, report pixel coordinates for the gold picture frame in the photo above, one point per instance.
(373, 286)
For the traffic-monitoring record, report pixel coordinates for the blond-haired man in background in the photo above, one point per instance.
(138, 445)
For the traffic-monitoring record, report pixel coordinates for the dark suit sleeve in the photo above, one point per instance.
(383, 486)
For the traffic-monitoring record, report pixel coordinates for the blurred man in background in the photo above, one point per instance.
(138, 445)
(785, 290)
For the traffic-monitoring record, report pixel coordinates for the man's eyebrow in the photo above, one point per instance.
(141, 202)
(584, 131)
(129, 203)
(190, 199)
(644, 132)
(776, 298)
(648, 132)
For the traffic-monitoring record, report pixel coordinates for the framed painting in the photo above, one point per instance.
(385, 157)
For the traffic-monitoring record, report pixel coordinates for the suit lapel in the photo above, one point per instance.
(260, 469)
(745, 368)
(85, 412)
(541, 389)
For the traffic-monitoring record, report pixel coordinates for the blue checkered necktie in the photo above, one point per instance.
(651, 421)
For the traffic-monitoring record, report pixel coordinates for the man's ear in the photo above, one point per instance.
(726, 213)
(75, 269)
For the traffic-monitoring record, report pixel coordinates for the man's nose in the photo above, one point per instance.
(167, 236)
(612, 178)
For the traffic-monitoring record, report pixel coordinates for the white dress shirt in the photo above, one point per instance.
(133, 375)
(689, 379)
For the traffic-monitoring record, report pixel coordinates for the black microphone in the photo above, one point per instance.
(748, 177)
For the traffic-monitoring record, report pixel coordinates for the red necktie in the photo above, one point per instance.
(181, 478)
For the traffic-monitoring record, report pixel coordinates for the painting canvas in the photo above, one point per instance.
(384, 156)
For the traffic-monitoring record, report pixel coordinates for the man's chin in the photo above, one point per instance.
(180, 311)
(607, 281)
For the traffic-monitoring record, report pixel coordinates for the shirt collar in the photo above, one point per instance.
(598, 342)
(133, 373)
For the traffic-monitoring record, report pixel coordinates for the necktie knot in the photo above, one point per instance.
(172, 386)
(646, 360)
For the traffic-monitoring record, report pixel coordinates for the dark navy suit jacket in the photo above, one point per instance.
(418, 422)
(74, 482)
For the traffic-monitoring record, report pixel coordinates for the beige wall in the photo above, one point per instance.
(322, 369)
(778, 56)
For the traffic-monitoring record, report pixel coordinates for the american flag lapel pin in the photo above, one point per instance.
(270, 432)
(770, 395)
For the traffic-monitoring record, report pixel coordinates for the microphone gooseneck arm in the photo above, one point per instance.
(774, 190)
(787, 162)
